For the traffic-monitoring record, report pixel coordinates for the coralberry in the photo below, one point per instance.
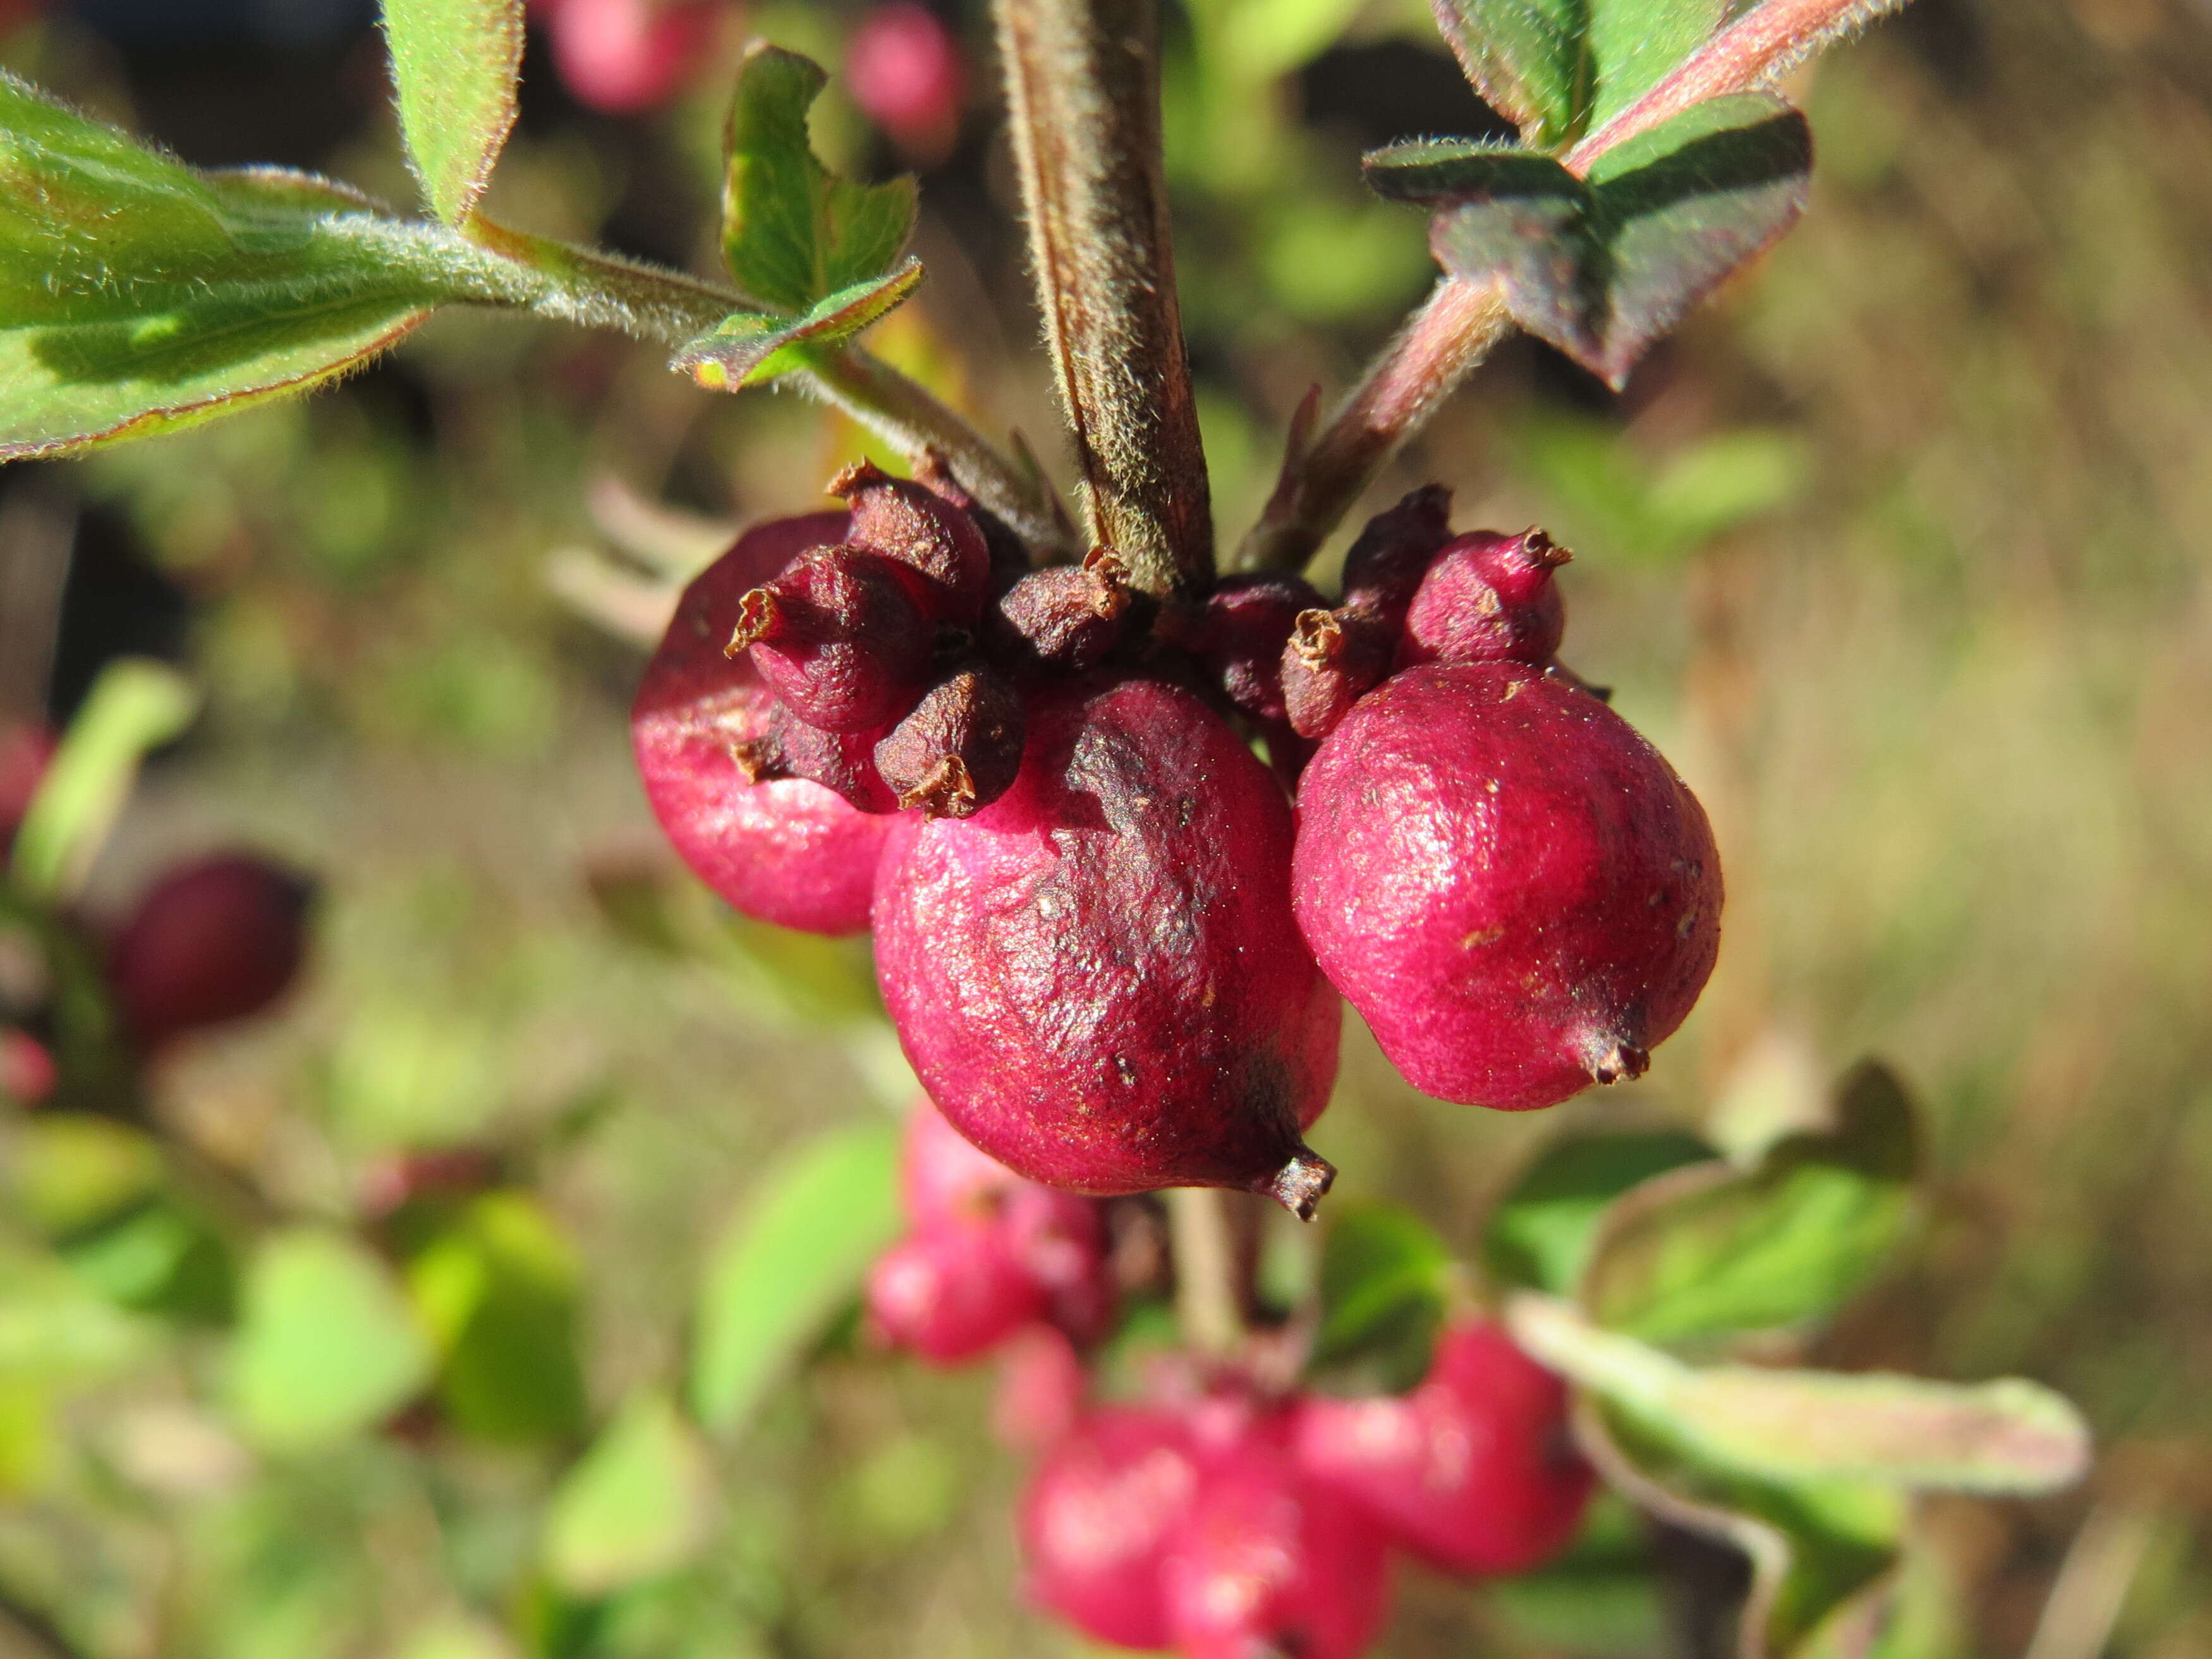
(209, 943)
(1098, 1516)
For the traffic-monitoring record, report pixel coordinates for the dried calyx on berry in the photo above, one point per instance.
(959, 749)
(1062, 619)
(1487, 598)
(907, 521)
(838, 637)
(1333, 659)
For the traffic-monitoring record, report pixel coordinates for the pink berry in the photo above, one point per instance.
(1507, 881)
(1473, 1472)
(904, 70)
(1042, 1384)
(1333, 659)
(838, 637)
(943, 1176)
(951, 1291)
(1059, 1238)
(210, 942)
(959, 749)
(1097, 977)
(1488, 598)
(1064, 618)
(1241, 636)
(785, 851)
(27, 1072)
(624, 56)
(1096, 1518)
(1266, 1562)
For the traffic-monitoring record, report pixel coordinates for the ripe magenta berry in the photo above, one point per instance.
(1042, 1384)
(1059, 1239)
(209, 942)
(1473, 1472)
(623, 56)
(943, 1176)
(1095, 1520)
(904, 70)
(1384, 566)
(1064, 618)
(1241, 635)
(951, 1291)
(959, 749)
(1488, 598)
(1265, 1562)
(912, 524)
(1096, 977)
(838, 637)
(1333, 658)
(1507, 881)
(783, 850)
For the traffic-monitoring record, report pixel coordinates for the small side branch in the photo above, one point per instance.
(1208, 1305)
(1083, 89)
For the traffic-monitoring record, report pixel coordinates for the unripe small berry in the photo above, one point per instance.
(624, 56)
(1333, 658)
(838, 638)
(911, 523)
(210, 942)
(1488, 598)
(843, 762)
(1096, 1521)
(951, 1292)
(27, 1072)
(1242, 634)
(1385, 564)
(958, 748)
(1473, 1472)
(1064, 618)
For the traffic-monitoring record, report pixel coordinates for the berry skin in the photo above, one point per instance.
(1041, 1385)
(959, 749)
(1096, 1518)
(1241, 636)
(1333, 659)
(838, 637)
(210, 942)
(843, 762)
(623, 56)
(1507, 881)
(1062, 619)
(781, 850)
(1096, 977)
(912, 525)
(1385, 565)
(27, 1072)
(942, 1177)
(904, 71)
(1472, 1471)
(1488, 598)
(1266, 1562)
(951, 1291)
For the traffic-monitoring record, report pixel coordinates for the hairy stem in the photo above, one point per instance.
(598, 290)
(1208, 1307)
(1083, 88)
(1462, 321)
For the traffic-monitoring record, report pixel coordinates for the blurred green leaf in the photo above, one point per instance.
(792, 232)
(1714, 485)
(1263, 39)
(796, 1253)
(1557, 68)
(1601, 268)
(1712, 1249)
(633, 1507)
(134, 707)
(161, 1256)
(1386, 1282)
(326, 1346)
(54, 1329)
(747, 350)
(1539, 1236)
(455, 64)
(497, 1288)
(2010, 1437)
(1602, 1599)
(69, 1171)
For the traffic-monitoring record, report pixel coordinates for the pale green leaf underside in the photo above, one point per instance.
(455, 64)
(747, 349)
(1560, 69)
(635, 1506)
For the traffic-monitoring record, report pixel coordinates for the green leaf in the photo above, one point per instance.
(1539, 1236)
(326, 1346)
(1386, 1282)
(1557, 68)
(792, 232)
(1711, 1249)
(1604, 267)
(160, 1256)
(498, 1288)
(54, 1329)
(68, 1171)
(795, 1255)
(633, 1507)
(455, 64)
(747, 349)
(137, 293)
(134, 707)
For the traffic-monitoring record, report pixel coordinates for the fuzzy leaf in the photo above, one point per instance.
(1539, 1236)
(1385, 1281)
(136, 294)
(748, 349)
(455, 64)
(794, 232)
(1603, 267)
(795, 1253)
(1557, 69)
(635, 1506)
(1711, 1249)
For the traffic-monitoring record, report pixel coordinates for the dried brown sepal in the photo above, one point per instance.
(960, 747)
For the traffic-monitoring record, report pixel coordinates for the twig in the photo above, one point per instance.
(1083, 88)
(2092, 1583)
(1208, 1305)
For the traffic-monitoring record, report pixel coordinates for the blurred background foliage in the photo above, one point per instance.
(1903, 552)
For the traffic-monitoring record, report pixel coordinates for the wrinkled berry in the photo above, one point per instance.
(1241, 636)
(1096, 977)
(912, 524)
(782, 850)
(843, 762)
(1333, 658)
(1265, 1562)
(1473, 1472)
(1096, 1518)
(951, 1291)
(1507, 881)
(1064, 618)
(1390, 555)
(1488, 598)
(838, 637)
(959, 749)
(210, 942)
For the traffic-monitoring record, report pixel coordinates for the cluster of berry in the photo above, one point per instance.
(1112, 952)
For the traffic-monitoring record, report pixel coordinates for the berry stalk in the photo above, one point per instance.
(1083, 89)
